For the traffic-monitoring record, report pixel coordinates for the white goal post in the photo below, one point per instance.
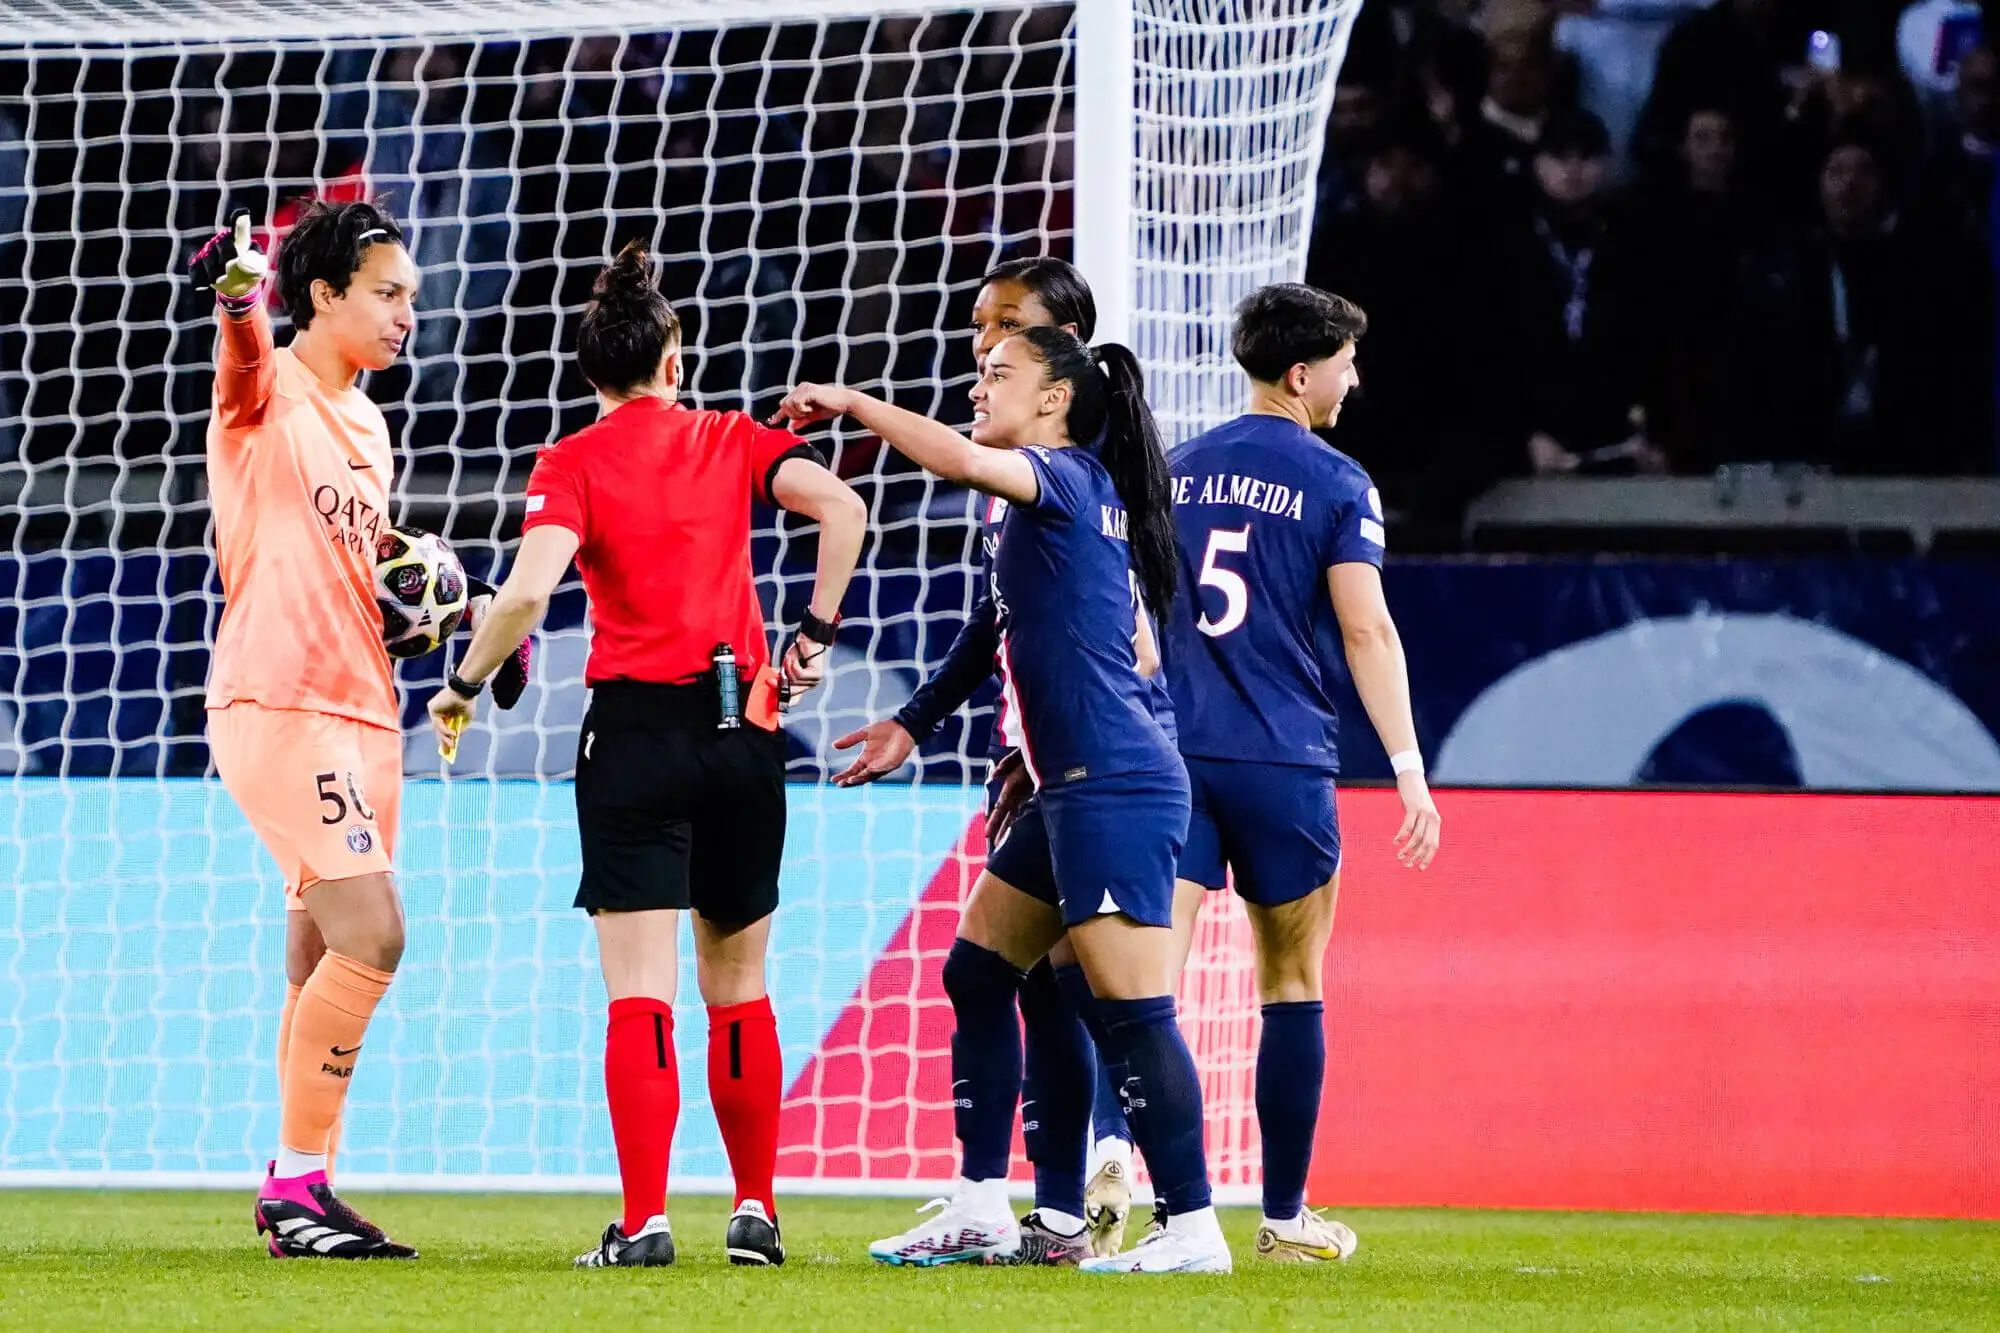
(824, 180)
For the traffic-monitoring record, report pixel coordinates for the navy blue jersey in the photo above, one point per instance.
(1265, 509)
(1063, 587)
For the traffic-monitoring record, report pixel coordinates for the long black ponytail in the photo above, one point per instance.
(1109, 398)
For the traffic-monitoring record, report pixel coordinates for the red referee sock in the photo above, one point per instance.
(643, 1084)
(746, 1081)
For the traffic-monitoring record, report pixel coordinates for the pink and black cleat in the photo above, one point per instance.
(304, 1220)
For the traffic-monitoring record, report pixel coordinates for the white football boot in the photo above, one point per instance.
(963, 1232)
(1307, 1239)
(1191, 1243)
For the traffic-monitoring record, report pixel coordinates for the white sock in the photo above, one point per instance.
(1115, 1150)
(298, 1163)
(985, 1199)
(1201, 1224)
(1059, 1222)
(1291, 1229)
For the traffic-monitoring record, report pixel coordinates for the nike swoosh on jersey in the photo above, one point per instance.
(349, 1051)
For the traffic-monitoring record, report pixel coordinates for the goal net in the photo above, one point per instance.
(825, 183)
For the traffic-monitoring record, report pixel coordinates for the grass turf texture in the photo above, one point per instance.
(83, 1259)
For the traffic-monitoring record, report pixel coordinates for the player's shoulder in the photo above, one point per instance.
(1341, 471)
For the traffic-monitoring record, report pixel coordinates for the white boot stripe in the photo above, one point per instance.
(291, 1224)
(326, 1243)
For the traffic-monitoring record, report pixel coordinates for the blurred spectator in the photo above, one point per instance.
(1874, 339)
(1521, 95)
(1359, 108)
(1422, 422)
(1957, 191)
(1574, 304)
(1700, 235)
(1735, 54)
(1448, 77)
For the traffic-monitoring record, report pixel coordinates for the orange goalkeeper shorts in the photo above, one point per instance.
(322, 792)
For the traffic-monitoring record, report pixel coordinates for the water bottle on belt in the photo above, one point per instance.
(728, 687)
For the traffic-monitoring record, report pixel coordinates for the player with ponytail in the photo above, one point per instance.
(1063, 436)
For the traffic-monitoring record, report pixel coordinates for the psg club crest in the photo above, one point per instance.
(359, 841)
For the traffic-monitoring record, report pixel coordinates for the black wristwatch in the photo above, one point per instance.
(819, 631)
(463, 688)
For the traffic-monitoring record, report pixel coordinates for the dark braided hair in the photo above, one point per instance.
(1108, 398)
(628, 326)
(326, 245)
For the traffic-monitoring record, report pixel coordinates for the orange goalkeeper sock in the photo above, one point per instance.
(327, 1027)
(292, 991)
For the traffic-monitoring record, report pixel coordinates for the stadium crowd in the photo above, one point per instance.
(1591, 235)
(1619, 238)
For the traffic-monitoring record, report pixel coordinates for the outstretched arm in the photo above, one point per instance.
(1382, 679)
(937, 449)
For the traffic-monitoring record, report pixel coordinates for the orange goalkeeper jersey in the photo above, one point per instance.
(298, 474)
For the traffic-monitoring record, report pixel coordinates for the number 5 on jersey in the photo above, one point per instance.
(1235, 592)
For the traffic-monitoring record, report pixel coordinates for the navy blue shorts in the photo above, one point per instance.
(1112, 844)
(1022, 858)
(1275, 825)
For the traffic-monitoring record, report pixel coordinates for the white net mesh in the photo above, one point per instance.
(825, 184)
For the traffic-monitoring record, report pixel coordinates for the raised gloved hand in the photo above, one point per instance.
(232, 265)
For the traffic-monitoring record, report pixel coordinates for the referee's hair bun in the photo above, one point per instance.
(628, 279)
(628, 325)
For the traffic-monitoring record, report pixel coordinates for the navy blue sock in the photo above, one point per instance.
(1291, 1070)
(985, 1056)
(1162, 1096)
(1059, 1072)
(1107, 1117)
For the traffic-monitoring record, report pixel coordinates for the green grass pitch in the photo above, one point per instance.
(73, 1260)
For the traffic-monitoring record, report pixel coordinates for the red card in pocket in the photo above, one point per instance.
(761, 708)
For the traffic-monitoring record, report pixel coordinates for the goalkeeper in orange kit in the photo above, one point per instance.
(302, 710)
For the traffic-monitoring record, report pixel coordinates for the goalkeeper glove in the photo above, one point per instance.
(232, 265)
(512, 677)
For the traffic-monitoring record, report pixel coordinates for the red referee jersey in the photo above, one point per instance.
(660, 496)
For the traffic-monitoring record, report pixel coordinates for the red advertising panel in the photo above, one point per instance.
(1740, 1003)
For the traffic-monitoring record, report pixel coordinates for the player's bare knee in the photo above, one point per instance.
(1290, 978)
(379, 944)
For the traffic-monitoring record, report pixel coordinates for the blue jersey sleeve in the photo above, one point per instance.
(1063, 480)
(1354, 522)
(967, 665)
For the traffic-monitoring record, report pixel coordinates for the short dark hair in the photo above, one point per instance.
(1575, 133)
(328, 244)
(1289, 323)
(628, 326)
(1057, 284)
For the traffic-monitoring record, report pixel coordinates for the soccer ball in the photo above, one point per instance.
(421, 588)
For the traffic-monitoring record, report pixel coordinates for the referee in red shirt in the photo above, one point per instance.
(680, 770)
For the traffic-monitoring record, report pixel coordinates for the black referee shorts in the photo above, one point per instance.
(674, 812)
